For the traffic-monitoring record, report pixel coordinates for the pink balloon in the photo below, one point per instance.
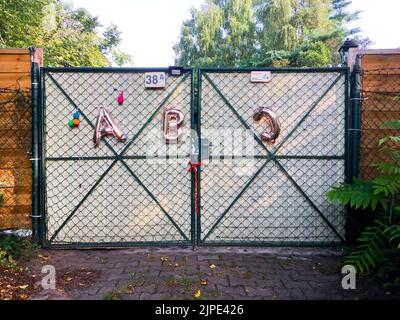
(106, 126)
(120, 98)
(274, 126)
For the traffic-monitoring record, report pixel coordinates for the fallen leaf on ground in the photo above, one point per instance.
(204, 282)
(129, 288)
(24, 286)
(197, 294)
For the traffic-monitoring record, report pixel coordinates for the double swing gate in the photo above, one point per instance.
(245, 158)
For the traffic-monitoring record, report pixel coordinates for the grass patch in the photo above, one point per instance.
(112, 295)
(186, 283)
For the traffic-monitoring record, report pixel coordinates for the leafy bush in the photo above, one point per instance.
(12, 247)
(315, 54)
(379, 243)
(7, 247)
(310, 54)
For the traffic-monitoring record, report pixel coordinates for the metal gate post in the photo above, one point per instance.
(199, 144)
(356, 118)
(35, 152)
(354, 135)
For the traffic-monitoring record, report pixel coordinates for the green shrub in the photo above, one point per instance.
(379, 243)
(315, 54)
(12, 247)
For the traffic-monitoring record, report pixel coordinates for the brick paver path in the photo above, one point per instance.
(219, 273)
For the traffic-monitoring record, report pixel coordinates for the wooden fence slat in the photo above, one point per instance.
(380, 61)
(9, 79)
(15, 63)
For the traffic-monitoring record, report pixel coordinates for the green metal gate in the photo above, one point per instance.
(246, 191)
(132, 193)
(252, 192)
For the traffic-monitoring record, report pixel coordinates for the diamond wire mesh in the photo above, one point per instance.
(380, 104)
(272, 209)
(118, 209)
(15, 166)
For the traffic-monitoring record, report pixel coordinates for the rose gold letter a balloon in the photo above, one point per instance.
(106, 126)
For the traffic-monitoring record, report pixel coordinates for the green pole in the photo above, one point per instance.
(356, 118)
(35, 152)
(355, 135)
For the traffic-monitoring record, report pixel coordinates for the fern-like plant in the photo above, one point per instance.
(381, 195)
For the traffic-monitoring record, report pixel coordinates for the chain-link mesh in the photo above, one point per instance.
(272, 193)
(118, 192)
(380, 104)
(15, 164)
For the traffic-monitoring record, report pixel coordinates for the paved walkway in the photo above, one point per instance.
(219, 273)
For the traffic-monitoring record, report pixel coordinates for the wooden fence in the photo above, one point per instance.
(15, 138)
(380, 87)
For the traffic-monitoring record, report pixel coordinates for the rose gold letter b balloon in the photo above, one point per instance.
(172, 124)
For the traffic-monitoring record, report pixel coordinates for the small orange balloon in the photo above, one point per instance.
(76, 122)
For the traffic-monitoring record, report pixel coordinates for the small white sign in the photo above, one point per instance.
(154, 79)
(261, 76)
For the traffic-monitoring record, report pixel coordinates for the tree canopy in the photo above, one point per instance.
(70, 37)
(265, 33)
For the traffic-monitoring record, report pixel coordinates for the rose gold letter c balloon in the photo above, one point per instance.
(272, 134)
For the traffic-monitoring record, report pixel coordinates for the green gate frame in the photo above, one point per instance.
(343, 72)
(186, 73)
(195, 125)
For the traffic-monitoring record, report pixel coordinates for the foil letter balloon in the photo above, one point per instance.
(271, 134)
(106, 126)
(172, 124)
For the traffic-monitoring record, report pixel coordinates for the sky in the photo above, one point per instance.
(150, 28)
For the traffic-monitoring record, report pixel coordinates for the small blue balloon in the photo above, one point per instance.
(76, 115)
